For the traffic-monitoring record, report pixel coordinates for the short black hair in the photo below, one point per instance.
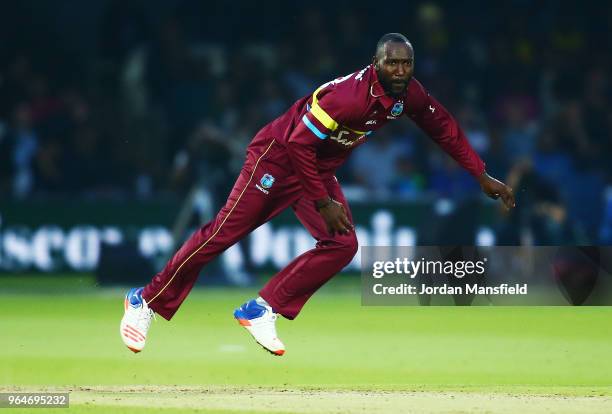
(390, 37)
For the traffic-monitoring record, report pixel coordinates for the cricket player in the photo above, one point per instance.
(291, 163)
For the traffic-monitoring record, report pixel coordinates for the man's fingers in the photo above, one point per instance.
(347, 224)
(495, 189)
(337, 220)
(508, 197)
(344, 223)
(512, 199)
(508, 200)
(339, 226)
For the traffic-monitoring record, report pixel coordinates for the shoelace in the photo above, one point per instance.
(144, 319)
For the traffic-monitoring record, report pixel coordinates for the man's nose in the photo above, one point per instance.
(401, 70)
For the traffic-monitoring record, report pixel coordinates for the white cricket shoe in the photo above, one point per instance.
(257, 317)
(136, 320)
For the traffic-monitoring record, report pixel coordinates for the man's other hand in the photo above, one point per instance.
(496, 189)
(334, 215)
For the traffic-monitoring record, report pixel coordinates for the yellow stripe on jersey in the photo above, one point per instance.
(322, 116)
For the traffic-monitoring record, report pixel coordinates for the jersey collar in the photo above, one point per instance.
(377, 91)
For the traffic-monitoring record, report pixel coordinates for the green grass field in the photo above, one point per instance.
(62, 334)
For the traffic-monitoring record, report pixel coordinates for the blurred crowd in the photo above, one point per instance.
(157, 97)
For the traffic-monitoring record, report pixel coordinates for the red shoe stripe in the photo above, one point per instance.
(134, 332)
(131, 336)
(244, 322)
(134, 350)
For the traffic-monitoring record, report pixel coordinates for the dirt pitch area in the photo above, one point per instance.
(266, 400)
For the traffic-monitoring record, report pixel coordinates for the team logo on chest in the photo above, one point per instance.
(397, 109)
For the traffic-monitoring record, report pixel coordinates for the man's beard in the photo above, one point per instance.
(395, 88)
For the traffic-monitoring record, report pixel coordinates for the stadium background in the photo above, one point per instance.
(123, 125)
(120, 104)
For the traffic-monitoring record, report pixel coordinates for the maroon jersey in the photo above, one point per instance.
(317, 134)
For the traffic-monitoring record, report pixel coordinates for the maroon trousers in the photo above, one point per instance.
(250, 204)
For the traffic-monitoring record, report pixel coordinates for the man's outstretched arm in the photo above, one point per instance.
(440, 125)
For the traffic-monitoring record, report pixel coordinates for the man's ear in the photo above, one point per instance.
(375, 62)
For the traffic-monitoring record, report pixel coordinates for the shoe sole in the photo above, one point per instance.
(245, 324)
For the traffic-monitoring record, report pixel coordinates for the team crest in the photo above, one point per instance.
(397, 109)
(267, 180)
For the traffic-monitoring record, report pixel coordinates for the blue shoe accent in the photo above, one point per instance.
(134, 297)
(250, 310)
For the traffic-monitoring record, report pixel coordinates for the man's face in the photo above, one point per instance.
(394, 66)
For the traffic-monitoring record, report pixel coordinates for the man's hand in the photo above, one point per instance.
(334, 215)
(496, 189)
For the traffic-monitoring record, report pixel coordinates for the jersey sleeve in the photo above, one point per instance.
(439, 125)
(323, 116)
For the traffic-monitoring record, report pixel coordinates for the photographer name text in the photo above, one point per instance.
(424, 289)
